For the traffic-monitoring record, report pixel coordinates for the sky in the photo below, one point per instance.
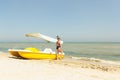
(72, 20)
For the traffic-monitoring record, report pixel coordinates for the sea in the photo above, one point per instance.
(98, 50)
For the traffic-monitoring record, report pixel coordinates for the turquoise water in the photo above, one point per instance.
(100, 50)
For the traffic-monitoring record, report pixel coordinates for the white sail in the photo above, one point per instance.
(38, 35)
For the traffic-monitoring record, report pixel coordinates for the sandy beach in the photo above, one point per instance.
(12, 68)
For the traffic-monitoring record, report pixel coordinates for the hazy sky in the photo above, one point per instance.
(73, 20)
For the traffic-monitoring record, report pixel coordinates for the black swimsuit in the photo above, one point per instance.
(58, 47)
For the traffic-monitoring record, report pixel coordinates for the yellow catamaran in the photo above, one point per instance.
(34, 53)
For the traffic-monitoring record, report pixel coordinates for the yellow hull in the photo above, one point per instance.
(38, 55)
(14, 52)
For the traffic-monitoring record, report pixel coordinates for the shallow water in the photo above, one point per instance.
(106, 51)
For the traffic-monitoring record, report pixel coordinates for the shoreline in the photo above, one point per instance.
(21, 69)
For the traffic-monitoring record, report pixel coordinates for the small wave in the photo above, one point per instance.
(95, 60)
(87, 59)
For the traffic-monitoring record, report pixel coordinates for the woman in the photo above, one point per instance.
(58, 48)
